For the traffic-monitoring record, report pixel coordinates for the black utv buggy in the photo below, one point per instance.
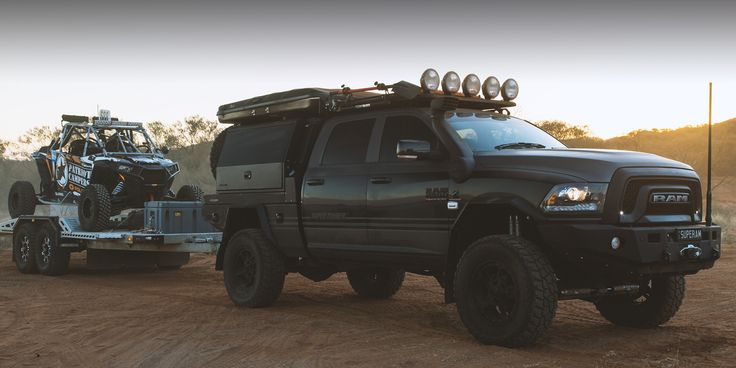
(104, 166)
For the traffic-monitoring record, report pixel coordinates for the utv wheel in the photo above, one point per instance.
(376, 283)
(94, 208)
(21, 199)
(51, 258)
(23, 248)
(254, 270)
(216, 150)
(506, 291)
(190, 192)
(656, 302)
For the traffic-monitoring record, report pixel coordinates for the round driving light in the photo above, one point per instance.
(615, 243)
(430, 80)
(471, 85)
(450, 83)
(509, 90)
(491, 88)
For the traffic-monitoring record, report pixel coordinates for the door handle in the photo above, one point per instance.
(380, 180)
(247, 175)
(315, 181)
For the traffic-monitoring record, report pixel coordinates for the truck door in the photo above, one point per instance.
(408, 214)
(334, 188)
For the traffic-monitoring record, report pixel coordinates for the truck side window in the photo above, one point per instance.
(250, 145)
(348, 143)
(404, 127)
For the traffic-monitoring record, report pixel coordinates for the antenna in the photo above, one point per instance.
(709, 193)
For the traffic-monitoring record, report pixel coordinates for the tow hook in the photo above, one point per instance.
(691, 252)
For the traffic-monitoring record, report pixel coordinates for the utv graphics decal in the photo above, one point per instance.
(78, 175)
(437, 194)
(60, 173)
(670, 198)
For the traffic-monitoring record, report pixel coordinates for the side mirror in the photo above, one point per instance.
(164, 150)
(412, 149)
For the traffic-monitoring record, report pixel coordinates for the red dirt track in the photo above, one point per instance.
(184, 318)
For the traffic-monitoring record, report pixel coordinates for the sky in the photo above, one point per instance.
(613, 65)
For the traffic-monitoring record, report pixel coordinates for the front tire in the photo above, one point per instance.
(506, 291)
(190, 192)
(376, 283)
(657, 301)
(254, 271)
(94, 208)
(24, 241)
(21, 199)
(51, 258)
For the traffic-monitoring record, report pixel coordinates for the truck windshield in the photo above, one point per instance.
(485, 132)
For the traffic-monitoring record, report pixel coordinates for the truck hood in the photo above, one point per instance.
(590, 165)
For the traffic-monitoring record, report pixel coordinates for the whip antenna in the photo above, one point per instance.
(709, 193)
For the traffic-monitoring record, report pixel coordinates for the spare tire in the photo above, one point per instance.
(216, 151)
(190, 192)
(94, 208)
(21, 199)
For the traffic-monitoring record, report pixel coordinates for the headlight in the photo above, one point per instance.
(509, 90)
(430, 80)
(173, 169)
(125, 168)
(471, 85)
(576, 197)
(491, 88)
(451, 83)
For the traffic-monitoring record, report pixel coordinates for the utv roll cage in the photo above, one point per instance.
(91, 128)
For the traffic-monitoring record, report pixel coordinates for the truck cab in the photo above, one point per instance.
(448, 184)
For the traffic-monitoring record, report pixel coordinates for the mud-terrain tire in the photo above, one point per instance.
(216, 150)
(506, 291)
(51, 258)
(658, 300)
(190, 192)
(21, 199)
(254, 270)
(94, 208)
(23, 248)
(376, 283)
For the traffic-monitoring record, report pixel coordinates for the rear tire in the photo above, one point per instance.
(94, 208)
(21, 199)
(51, 258)
(506, 291)
(24, 241)
(376, 283)
(254, 270)
(656, 303)
(190, 192)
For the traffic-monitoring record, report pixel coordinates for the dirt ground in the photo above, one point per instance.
(184, 318)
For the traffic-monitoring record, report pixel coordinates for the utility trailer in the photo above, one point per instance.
(164, 235)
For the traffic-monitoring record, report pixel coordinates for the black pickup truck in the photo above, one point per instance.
(447, 184)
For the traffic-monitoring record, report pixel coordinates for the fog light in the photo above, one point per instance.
(430, 80)
(491, 88)
(615, 243)
(450, 83)
(471, 85)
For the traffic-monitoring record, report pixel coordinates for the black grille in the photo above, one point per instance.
(661, 185)
(155, 176)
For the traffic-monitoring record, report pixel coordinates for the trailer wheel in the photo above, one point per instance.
(253, 270)
(23, 248)
(657, 301)
(21, 199)
(51, 258)
(94, 208)
(190, 192)
(376, 283)
(506, 291)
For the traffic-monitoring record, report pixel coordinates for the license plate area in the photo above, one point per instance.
(689, 234)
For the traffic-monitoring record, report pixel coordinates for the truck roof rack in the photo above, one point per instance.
(321, 101)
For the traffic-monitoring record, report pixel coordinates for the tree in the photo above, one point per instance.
(3, 147)
(564, 131)
(30, 142)
(192, 131)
